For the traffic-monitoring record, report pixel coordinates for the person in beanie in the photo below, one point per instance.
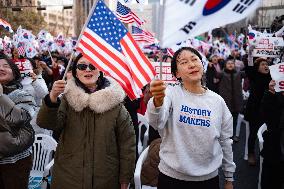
(17, 108)
(195, 126)
(96, 148)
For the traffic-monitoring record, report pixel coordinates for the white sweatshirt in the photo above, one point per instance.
(195, 131)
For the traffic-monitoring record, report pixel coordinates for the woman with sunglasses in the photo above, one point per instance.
(96, 147)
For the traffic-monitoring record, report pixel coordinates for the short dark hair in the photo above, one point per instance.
(258, 61)
(177, 53)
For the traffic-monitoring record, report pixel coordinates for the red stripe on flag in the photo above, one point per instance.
(111, 54)
(146, 61)
(136, 63)
(106, 62)
(127, 89)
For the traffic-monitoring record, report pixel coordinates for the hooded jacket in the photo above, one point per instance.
(96, 148)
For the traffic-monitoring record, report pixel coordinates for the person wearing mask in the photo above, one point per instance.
(195, 126)
(96, 148)
(17, 108)
(259, 78)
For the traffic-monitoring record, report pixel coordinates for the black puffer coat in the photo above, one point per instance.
(16, 133)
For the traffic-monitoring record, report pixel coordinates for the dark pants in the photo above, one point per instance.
(235, 121)
(272, 175)
(16, 175)
(254, 125)
(165, 182)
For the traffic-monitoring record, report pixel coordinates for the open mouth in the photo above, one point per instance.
(88, 76)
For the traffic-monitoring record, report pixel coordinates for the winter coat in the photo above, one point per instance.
(38, 89)
(272, 112)
(17, 108)
(230, 88)
(258, 84)
(150, 170)
(96, 149)
(211, 81)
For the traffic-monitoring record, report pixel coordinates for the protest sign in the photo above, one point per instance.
(277, 74)
(166, 72)
(26, 69)
(268, 47)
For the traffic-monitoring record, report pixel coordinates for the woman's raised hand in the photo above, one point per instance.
(157, 89)
(57, 88)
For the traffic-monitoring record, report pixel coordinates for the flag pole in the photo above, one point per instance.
(79, 38)
(161, 64)
(50, 55)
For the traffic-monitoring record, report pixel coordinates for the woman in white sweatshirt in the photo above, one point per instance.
(195, 125)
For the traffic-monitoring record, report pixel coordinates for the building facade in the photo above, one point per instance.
(14, 3)
(59, 21)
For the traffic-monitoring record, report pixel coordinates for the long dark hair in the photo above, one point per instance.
(101, 82)
(15, 70)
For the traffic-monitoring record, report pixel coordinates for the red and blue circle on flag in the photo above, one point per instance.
(213, 6)
(251, 35)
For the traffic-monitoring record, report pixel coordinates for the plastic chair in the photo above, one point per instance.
(138, 169)
(43, 149)
(260, 139)
(142, 141)
(238, 128)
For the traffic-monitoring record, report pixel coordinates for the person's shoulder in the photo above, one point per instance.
(213, 95)
(20, 96)
(176, 87)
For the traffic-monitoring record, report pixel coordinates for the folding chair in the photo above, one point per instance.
(138, 169)
(143, 131)
(260, 139)
(238, 128)
(43, 148)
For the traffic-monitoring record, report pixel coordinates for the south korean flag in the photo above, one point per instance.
(196, 17)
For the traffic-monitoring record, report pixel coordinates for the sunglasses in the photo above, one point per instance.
(85, 66)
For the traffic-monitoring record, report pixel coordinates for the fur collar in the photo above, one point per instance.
(99, 101)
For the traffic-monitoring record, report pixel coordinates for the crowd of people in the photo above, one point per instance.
(193, 122)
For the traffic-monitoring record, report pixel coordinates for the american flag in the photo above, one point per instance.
(125, 15)
(170, 52)
(140, 35)
(107, 44)
(21, 49)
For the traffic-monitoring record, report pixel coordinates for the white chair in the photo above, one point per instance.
(138, 169)
(238, 128)
(142, 122)
(43, 148)
(260, 139)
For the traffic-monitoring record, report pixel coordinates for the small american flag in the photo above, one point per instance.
(143, 36)
(125, 15)
(170, 52)
(107, 44)
(21, 49)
